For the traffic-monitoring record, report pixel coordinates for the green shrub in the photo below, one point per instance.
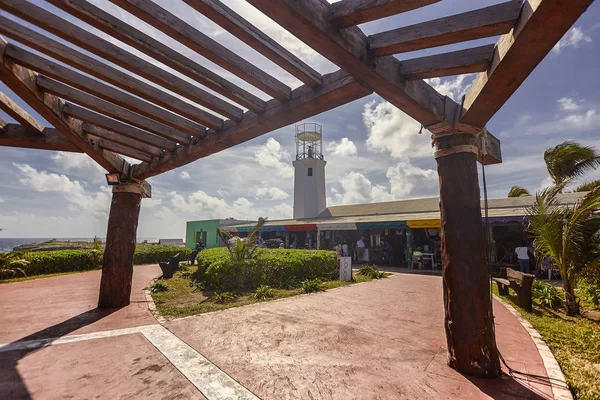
(226, 297)
(159, 287)
(263, 292)
(277, 268)
(546, 294)
(154, 253)
(371, 271)
(312, 285)
(590, 291)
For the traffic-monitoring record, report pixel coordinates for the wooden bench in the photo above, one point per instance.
(522, 289)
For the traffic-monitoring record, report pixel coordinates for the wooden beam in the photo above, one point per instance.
(490, 21)
(347, 13)
(16, 135)
(3, 123)
(115, 27)
(309, 21)
(541, 25)
(99, 89)
(458, 62)
(103, 48)
(233, 23)
(124, 150)
(104, 107)
(134, 133)
(22, 82)
(103, 71)
(337, 89)
(121, 139)
(20, 115)
(205, 46)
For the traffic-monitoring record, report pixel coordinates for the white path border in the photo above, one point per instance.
(560, 389)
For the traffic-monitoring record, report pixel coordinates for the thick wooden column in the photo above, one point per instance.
(117, 266)
(468, 320)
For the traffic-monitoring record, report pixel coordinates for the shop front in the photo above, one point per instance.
(424, 244)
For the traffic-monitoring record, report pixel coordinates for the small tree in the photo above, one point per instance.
(12, 264)
(586, 187)
(518, 191)
(241, 249)
(569, 235)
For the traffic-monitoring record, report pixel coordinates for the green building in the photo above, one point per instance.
(207, 231)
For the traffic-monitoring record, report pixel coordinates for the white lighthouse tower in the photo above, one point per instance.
(309, 172)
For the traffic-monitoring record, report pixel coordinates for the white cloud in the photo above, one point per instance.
(357, 189)
(1, 200)
(78, 199)
(454, 88)
(567, 104)
(280, 211)
(391, 130)
(409, 180)
(345, 147)
(273, 155)
(185, 176)
(272, 193)
(199, 205)
(573, 38)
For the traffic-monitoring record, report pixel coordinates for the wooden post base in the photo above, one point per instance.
(117, 266)
(467, 299)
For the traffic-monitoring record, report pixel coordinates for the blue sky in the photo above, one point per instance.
(374, 151)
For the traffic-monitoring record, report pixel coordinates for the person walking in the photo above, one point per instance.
(523, 258)
(360, 248)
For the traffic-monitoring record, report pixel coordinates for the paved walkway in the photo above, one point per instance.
(376, 340)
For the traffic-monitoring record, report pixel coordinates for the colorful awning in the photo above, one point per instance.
(337, 227)
(273, 228)
(301, 227)
(424, 223)
(381, 225)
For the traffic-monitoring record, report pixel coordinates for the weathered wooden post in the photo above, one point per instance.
(117, 266)
(468, 314)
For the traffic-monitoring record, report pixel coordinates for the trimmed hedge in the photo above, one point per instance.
(279, 268)
(52, 262)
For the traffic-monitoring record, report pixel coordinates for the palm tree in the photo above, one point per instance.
(241, 249)
(586, 187)
(518, 191)
(570, 160)
(569, 235)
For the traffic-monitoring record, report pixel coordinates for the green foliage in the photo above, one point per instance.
(13, 265)
(277, 268)
(51, 262)
(159, 287)
(569, 235)
(241, 249)
(546, 294)
(569, 160)
(371, 271)
(311, 285)
(263, 292)
(586, 187)
(518, 191)
(222, 298)
(153, 253)
(590, 291)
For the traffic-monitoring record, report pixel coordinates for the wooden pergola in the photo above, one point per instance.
(97, 109)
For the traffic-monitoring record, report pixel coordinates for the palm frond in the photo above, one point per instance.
(586, 187)
(570, 160)
(518, 191)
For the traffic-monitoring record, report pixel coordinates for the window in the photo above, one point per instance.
(310, 172)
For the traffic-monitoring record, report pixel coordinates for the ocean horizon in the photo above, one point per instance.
(8, 244)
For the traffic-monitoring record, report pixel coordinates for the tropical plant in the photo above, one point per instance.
(222, 298)
(569, 235)
(518, 191)
(311, 285)
(586, 187)
(241, 249)
(12, 264)
(569, 160)
(372, 272)
(263, 292)
(159, 287)
(546, 294)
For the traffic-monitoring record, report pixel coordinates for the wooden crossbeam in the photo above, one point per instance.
(113, 26)
(16, 135)
(3, 123)
(20, 115)
(124, 150)
(105, 49)
(309, 21)
(134, 133)
(490, 21)
(22, 82)
(337, 89)
(204, 45)
(353, 12)
(541, 25)
(99, 89)
(233, 23)
(458, 62)
(121, 139)
(104, 107)
(105, 72)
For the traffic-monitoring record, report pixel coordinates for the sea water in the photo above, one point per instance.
(8, 244)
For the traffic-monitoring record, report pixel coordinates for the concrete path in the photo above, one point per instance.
(377, 340)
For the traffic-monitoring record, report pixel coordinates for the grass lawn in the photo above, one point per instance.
(575, 342)
(182, 299)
